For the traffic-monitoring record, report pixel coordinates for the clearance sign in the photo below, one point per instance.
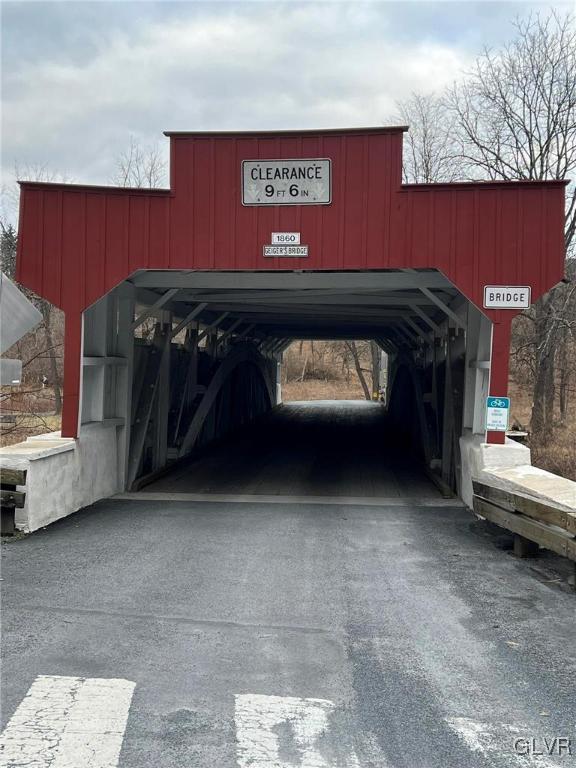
(287, 182)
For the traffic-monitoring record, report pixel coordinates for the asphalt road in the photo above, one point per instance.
(279, 635)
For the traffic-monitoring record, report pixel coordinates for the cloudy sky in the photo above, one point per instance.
(78, 78)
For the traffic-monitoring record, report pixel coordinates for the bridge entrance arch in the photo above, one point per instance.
(263, 238)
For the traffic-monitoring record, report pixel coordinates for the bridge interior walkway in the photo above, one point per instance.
(319, 448)
(180, 360)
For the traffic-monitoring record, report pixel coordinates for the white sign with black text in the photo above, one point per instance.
(507, 296)
(286, 250)
(497, 413)
(285, 238)
(287, 182)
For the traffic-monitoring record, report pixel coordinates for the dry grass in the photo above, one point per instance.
(320, 371)
(33, 410)
(560, 456)
(322, 390)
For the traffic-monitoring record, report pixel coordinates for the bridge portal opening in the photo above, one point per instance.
(192, 370)
(179, 302)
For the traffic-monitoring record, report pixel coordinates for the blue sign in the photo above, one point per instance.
(497, 410)
(498, 402)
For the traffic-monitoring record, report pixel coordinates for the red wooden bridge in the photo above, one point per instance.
(403, 264)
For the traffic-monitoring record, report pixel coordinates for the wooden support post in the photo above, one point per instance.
(124, 347)
(162, 402)
(10, 498)
(448, 418)
(435, 401)
(72, 374)
(211, 341)
(524, 547)
(424, 431)
(190, 386)
(477, 370)
(499, 367)
(144, 407)
(202, 419)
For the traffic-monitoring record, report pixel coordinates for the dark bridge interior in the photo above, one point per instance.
(207, 354)
(322, 448)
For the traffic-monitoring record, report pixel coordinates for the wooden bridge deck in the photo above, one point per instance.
(323, 448)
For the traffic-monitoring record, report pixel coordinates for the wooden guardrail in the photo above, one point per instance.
(10, 498)
(534, 523)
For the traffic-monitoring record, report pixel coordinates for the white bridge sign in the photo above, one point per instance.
(507, 296)
(286, 250)
(287, 182)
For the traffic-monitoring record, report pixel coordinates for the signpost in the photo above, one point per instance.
(507, 296)
(497, 412)
(287, 182)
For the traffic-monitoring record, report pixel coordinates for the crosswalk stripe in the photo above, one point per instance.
(68, 722)
(283, 731)
(496, 739)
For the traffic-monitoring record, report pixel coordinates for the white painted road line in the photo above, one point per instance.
(493, 740)
(284, 731)
(68, 722)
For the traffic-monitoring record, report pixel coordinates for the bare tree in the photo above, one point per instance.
(429, 151)
(52, 345)
(140, 166)
(514, 113)
(356, 354)
(515, 118)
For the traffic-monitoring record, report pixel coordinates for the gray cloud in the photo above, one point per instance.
(79, 78)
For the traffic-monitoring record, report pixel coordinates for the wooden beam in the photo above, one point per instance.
(12, 476)
(285, 344)
(228, 331)
(448, 423)
(158, 304)
(340, 311)
(160, 343)
(104, 360)
(278, 297)
(277, 346)
(239, 354)
(406, 334)
(417, 329)
(188, 319)
(246, 331)
(537, 510)
(550, 538)
(212, 326)
(444, 307)
(415, 308)
(12, 498)
(387, 280)
(190, 385)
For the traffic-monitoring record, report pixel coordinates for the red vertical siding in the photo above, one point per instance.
(76, 243)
